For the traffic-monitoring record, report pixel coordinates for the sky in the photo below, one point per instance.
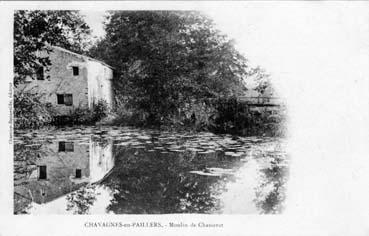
(95, 20)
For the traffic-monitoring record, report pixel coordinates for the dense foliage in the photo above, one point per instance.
(144, 186)
(35, 30)
(236, 117)
(172, 69)
(89, 116)
(165, 59)
(30, 112)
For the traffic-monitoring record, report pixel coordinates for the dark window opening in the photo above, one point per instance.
(66, 99)
(61, 146)
(40, 73)
(42, 174)
(66, 146)
(78, 173)
(75, 70)
(60, 98)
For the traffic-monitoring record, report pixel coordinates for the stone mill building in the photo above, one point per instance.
(72, 81)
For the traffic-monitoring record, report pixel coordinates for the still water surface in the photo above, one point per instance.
(122, 170)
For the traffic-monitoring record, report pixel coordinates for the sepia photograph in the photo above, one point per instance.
(160, 113)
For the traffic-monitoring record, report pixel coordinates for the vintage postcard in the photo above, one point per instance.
(197, 117)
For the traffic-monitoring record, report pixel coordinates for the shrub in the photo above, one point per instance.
(86, 116)
(80, 116)
(236, 117)
(219, 115)
(30, 112)
(100, 110)
(231, 115)
(126, 116)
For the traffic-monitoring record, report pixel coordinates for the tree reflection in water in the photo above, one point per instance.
(133, 172)
(151, 183)
(270, 194)
(80, 201)
(25, 159)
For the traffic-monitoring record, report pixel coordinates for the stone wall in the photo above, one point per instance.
(93, 82)
(60, 80)
(101, 159)
(60, 168)
(94, 159)
(99, 83)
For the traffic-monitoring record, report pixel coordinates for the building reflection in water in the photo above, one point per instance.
(92, 177)
(46, 172)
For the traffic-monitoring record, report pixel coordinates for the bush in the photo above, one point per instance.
(236, 117)
(231, 115)
(100, 110)
(128, 116)
(80, 116)
(220, 115)
(86, 116)
(30, 112)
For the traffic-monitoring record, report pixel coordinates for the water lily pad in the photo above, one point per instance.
(204, 173)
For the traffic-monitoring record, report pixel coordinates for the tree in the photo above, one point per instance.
(165, 59)
(262, 79)
(35, 30)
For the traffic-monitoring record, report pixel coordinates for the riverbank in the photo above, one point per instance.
(220, 116)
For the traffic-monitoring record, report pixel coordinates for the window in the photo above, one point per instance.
(60, 98)
(66, 99)
(75, 70)
(42, 173)
(78, 173)
(61, 146)
(40, 73)
(66, 146)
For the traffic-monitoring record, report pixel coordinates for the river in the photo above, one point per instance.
(123, 170)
